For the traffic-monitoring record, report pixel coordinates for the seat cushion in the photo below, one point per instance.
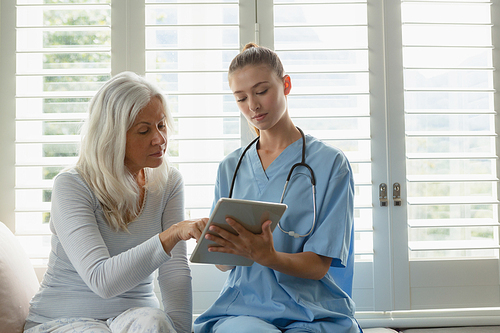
(475, 329)
(18, 283)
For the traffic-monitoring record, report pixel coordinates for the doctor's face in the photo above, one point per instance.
(147, 138)
(260, 95)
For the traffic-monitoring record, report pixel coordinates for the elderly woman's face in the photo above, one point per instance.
(147, 138)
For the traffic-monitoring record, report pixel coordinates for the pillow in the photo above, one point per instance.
(18, 283)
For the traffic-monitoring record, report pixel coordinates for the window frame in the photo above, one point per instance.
(393, 271)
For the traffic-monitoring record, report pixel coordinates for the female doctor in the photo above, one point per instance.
(301, 280)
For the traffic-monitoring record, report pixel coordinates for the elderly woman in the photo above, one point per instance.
(117, 217)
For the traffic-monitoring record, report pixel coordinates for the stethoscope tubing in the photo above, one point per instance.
(301, 163)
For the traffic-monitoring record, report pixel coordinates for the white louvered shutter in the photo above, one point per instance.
(451, 153)
(62, 58)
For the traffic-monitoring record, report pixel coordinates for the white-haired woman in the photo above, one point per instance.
(117, 217)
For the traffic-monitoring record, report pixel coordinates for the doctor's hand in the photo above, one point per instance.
(257, 247)
(183, 230)
(224, 268)
(260, 248)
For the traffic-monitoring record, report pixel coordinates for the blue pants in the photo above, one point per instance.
(136, 320)
(247, 324)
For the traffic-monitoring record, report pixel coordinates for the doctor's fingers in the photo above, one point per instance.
(266, 229)
(248, 238)
(230, 243)
(238, 227)
(223, 245)
(221, 236)
(245, 243)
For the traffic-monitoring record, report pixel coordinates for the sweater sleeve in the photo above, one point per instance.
(174, 276)
(74, 222)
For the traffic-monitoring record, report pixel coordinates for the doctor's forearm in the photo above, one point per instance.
(306, 265)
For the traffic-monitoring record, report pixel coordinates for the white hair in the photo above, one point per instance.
(112, 111)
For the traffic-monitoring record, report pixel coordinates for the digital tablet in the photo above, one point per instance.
(251, 214)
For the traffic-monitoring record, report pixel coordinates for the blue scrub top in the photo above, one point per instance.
(320, 305)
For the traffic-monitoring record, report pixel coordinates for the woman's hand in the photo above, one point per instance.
(260, 248)
(182, 231)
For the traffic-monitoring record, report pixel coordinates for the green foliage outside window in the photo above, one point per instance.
(50, 172)
(60, 150)
(47, 196)
(65, 105)
(45, 217)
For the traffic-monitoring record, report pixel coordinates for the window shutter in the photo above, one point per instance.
(63, 56)
(189, 46)
(324, 48)
(450, 129)
(451, 159)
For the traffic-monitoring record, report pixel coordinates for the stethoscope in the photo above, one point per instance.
(302, 163)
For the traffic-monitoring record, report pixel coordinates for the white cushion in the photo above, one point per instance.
(18, 282)
(475, 329)
(379, 330)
